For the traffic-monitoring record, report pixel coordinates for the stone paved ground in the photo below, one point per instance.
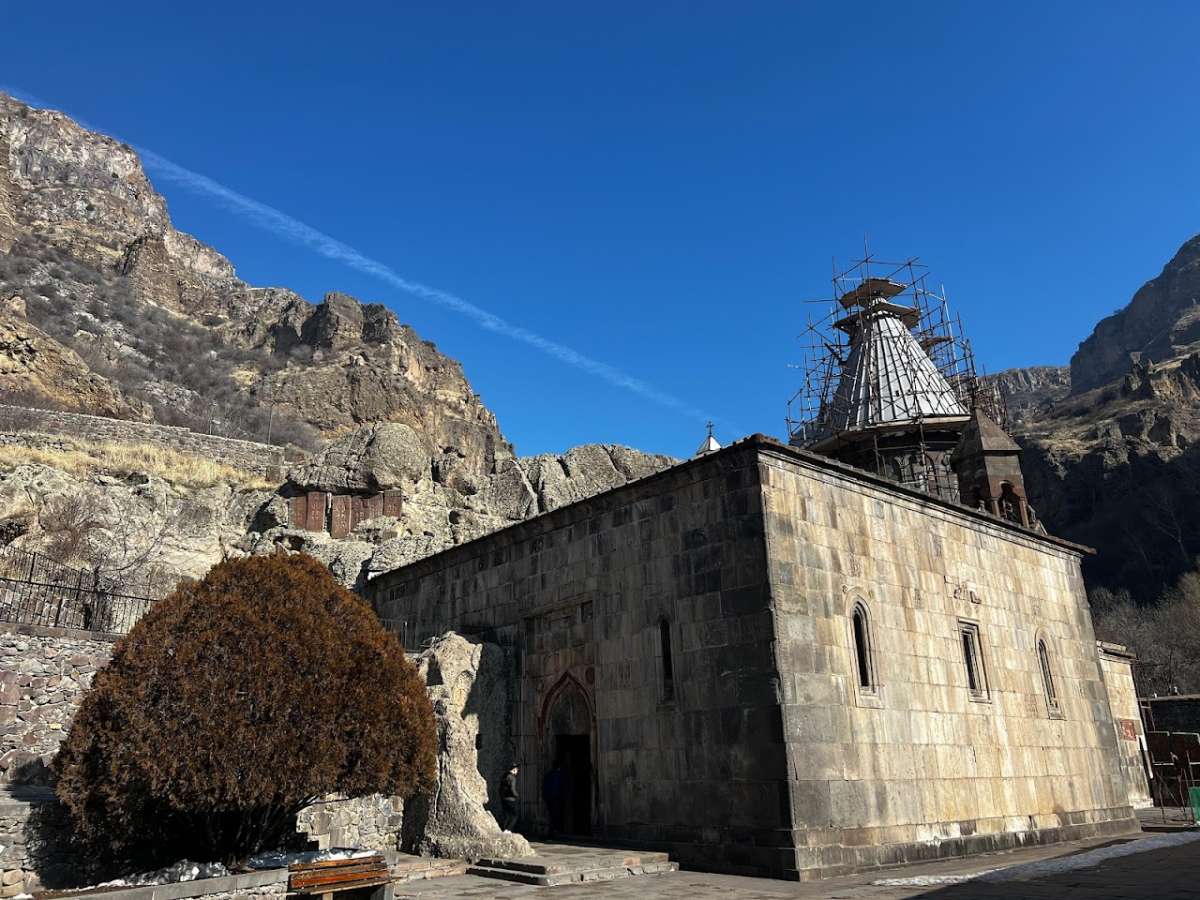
(1171, 873)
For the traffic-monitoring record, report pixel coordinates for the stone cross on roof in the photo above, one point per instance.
(710, 444)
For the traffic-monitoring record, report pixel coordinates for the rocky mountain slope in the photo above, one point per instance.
(1116, 463)
(1160, 323)
(106, 308)
(1029, 391)
(164, 330)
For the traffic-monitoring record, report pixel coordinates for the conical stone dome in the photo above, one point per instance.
(887, 380)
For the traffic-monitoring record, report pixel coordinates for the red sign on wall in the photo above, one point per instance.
(1128, 729)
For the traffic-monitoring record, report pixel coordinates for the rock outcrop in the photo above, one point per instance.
(1117, 468)
(471, 685)
(1160, 322)
(445, 502)
(42, 371)
(163, 321)
(1031, 390)
(1110, 450)
(144, 529)
(106, 308)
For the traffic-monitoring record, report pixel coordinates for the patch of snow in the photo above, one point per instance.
(929, 880)
(277, 859)
(184, 870)
(1061, 864)
(1046, 867)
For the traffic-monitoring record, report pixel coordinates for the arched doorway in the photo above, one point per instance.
(567, 758)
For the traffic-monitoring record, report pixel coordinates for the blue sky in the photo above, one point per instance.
(659, 186)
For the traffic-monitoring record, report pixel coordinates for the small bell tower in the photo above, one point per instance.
(988, 465)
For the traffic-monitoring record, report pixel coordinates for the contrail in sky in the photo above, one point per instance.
(292, 229)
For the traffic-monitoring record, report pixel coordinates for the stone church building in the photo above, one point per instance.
(769, 660)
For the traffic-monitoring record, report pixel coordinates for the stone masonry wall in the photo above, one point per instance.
(42, 678)
(915, 764)
(368, 823)
(694, 762)
(760, 752)
(1117, 664)
(43, 674)
(19, 423)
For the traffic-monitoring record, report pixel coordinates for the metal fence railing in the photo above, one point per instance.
(36, 590)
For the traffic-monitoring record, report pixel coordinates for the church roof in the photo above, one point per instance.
(888, 379)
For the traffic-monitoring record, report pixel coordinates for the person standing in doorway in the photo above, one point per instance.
(552, 793)
(509, 799)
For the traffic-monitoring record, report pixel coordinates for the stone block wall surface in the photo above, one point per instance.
(28, 426)
(16, 872)
(914, 764)
(762, 751)
(42, 679)
(1117, 666)
(367, 823)
(642, 627)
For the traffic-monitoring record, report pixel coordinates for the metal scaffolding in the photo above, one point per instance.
(888, 376)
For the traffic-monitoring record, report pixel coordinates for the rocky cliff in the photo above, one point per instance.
(1118, 468)
(1032, 390)
(106, 308)
(1162, 321)
(1116, 463)
(164, 330)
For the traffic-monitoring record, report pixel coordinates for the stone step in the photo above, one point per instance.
(404, 867)
(534, 865)
(523, 877)
(547, 865)
(510, 872)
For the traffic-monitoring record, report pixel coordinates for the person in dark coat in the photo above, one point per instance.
(509, 800)
(552, 793)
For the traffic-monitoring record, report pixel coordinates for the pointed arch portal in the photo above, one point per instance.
(567, 730)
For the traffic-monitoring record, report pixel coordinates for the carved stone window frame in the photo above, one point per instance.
(974, 661)
(863, 653)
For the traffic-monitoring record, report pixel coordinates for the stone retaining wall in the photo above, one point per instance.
(269, 884)
(43, 673)
(20, 424)
(368, 823)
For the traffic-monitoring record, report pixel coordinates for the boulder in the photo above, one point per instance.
(372, 458)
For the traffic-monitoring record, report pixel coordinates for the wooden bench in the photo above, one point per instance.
(332, 876)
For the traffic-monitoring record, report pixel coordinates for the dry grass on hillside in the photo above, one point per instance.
(88, 458)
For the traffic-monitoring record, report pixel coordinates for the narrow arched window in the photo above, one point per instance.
(862, 648)
(1047, 678)
(668, 665)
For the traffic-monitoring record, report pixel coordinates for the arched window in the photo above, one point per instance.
(668, 665)
(862, 649)
(1047, 679)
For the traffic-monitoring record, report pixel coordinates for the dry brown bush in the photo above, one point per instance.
(232, 705)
